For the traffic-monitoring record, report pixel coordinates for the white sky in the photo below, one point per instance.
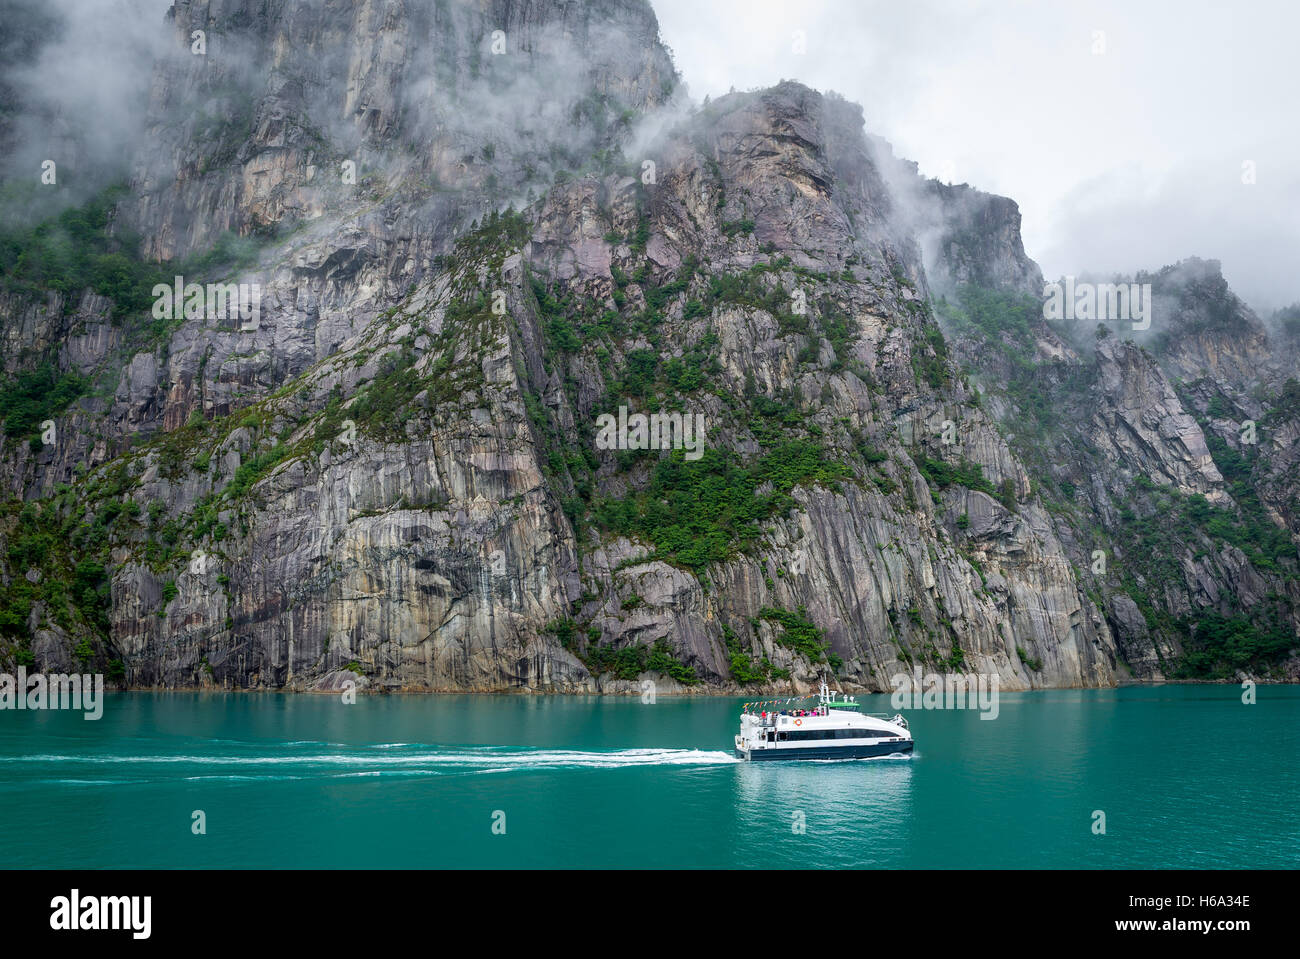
(1129, 159)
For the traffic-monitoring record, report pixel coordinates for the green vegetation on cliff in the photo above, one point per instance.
(799, 633)
(699, 512)
(33, 396)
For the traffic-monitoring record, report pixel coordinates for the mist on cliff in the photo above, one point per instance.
(1122, 130)
(75, 77)
(1145, 137)
(460, 106)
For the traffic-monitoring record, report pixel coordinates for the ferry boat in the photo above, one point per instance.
(833, 729)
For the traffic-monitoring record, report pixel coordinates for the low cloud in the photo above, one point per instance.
(1119, 128)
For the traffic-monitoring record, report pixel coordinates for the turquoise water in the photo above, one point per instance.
(1186, 775)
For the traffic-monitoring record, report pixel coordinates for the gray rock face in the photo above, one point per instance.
(393, 480)
(439, 108)
(1127, 439)
(1142, 425)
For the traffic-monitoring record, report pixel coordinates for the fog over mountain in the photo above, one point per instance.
(1123, 152)
(1125, 159)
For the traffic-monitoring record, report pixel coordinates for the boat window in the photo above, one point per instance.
(877, 733)
(804, 735)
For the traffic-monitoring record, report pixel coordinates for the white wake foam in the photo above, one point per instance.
(406, 756)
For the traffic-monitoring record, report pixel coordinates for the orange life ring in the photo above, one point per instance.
(798, 722)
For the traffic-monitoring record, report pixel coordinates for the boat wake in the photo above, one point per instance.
(306, 760)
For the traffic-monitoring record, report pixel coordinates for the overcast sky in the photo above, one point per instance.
(1129, 158)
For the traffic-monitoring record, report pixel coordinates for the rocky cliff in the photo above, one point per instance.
(477, 230)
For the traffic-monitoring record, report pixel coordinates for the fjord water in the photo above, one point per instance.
(1187, 776)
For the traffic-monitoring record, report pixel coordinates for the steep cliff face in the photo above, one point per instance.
(879, 560)
(401, 472)
(440, 109)
(1163, 458)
